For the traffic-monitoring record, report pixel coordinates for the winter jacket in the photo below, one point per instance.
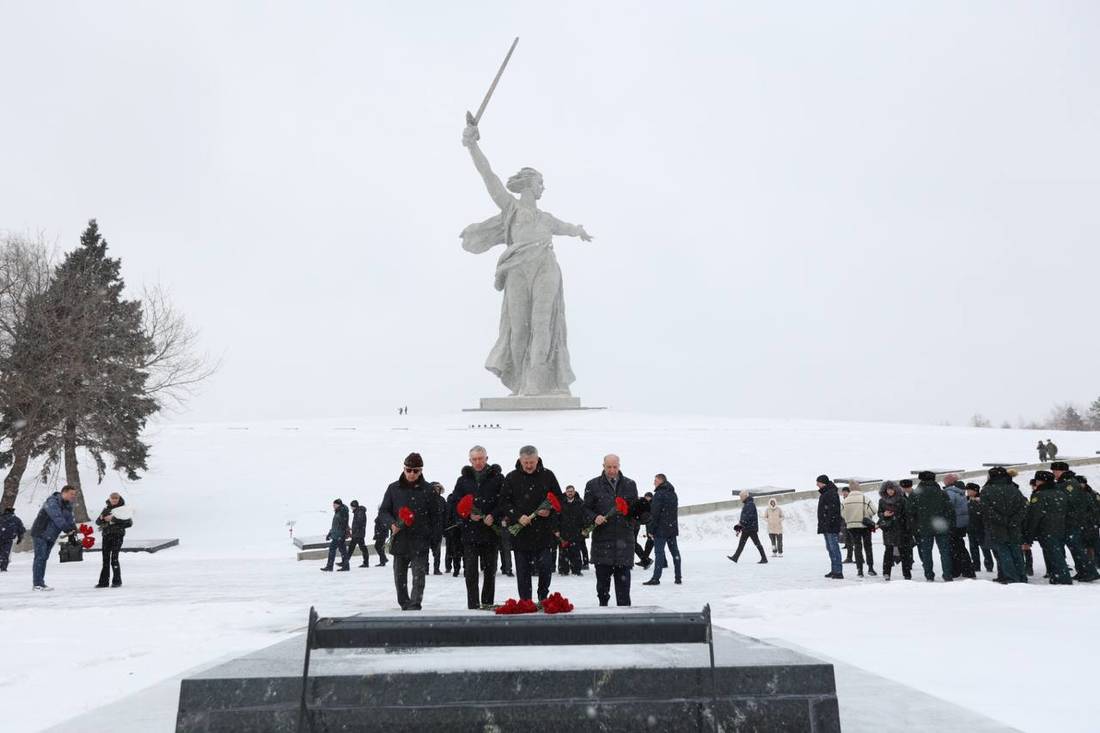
(829, 520)
(339, 528)
(486, 499)
(1079, 505)
(442, 516)
(750, 517)
(856, 507)
(960, 503)
(55, 517)
(1004, 510)
(11, 528)
(642, 511)
(359, 523)
(930, 511)
(1046, 514)
(381, 528)
(521, 493)
(975, 511)
(612, 541)
(1052, 451)
(114, 529)
(664, 512)
(573, 519)
(774, 517)
(895, 528)
(420, 497)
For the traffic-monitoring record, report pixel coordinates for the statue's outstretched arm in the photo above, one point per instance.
(497, 191)
(565, 229)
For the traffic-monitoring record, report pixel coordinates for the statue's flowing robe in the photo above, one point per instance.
(535, 362)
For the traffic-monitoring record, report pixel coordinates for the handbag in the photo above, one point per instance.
(71, 551)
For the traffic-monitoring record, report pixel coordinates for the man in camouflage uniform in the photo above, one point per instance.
(1004, 510)
(1046, 524)
(933, 517)
(1079, 516)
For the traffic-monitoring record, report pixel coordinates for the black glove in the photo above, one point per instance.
(737, 528)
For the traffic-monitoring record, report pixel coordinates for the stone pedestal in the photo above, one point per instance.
(520, 403)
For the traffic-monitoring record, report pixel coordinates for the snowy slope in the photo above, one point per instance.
(233, 586)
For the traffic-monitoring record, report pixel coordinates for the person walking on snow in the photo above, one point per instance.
(359, 533)
(664, 527)
(1042, 448)
(337, 538)
(773, 515)
(11, 532)
(748, 527)
(858, 516)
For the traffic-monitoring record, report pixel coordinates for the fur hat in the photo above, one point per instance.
(823, 479)
(926, 476)
(1059, 466)
(1044, 476)
(906, 483)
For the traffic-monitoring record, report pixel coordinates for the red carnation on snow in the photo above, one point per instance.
(556, 603)
(465, 506)
(512, 606)
(622, 506)
(407, 516)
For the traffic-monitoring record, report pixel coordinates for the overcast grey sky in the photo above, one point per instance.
(882, 211)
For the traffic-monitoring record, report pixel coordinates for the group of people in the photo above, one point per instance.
(521, 519)
(971, 526)
(55, 518)
(1048, 451)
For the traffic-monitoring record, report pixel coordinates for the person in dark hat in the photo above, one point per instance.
(1046, 524)
(829, 524)
(410, 508)
(976, 533)
(359, 533)
(338, 537)
(933, 516)
(906, 486)
(1003, 511)
(11, 532)
(1079, 517)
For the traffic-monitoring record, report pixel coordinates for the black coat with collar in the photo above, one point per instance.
(420, 497)
(486, 499)
(612, 541)
(522, 493)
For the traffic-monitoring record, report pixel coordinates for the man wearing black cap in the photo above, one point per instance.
(1046, 524)
(1079, 512)
(409, 507)
(1004, 510)
(829, 524)
(933, 516)
(338, 537)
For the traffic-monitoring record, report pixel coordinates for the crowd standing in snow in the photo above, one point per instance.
(969, 526)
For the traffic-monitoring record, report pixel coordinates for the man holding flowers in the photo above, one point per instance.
(530, 498)
(608, 501)
(409, 508)
(477, 493)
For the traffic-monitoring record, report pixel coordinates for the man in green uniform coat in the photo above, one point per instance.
(1046, 524)
(933, 517)
(1004, 510)
(1078, 518)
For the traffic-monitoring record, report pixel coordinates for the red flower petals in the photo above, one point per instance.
(88, 542)
(407, 516)
(465, 506)
(554, 501)
(512, 606)
(622, 505)
(556, 603)
(86, 530)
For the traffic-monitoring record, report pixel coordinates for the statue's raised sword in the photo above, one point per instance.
(474, 119)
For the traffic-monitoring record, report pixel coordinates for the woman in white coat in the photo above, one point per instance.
(774, 517)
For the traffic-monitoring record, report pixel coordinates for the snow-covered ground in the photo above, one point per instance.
(233, 586)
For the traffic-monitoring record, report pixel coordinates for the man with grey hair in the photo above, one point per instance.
(482, 482)
(613, 537)
(521, 500)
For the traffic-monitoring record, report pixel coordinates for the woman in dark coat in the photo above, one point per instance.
(113, 522)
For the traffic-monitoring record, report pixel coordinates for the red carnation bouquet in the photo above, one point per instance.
(465, 510)
(551, 503)
(512, 606)
(406, 516)
(87, 541)
(556, 603)
(621, 507)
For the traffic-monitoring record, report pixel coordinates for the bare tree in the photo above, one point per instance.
(175, 366)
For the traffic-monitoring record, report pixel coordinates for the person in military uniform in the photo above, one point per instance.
(1079, 511)
(1042, 448)
(1046, 524)
(933, 517)
(1004, 510)
(1091, 534)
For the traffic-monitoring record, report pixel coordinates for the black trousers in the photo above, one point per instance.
(5, 552)
(529, 564)
(892, 555)
(437, 553)
(979, 550)
(337, 545)
(111, 548)
(380, 548)
(960, 556)
(361, 543)
(455, 553)
(402, 564)
(505, 551)
(483, 557)
(621, 573)
(745, 537)
(642, 553)
(861, 540)
(569, 559)
(584, 551)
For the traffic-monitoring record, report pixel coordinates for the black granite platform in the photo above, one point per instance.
(637, 686)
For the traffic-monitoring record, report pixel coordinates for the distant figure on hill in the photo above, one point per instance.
(1042, 448)
(1052, 451)
(11, 531)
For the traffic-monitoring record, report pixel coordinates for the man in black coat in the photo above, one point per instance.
(338, 537)
(829, 523)
(359, 532)
(11, 531)
(411, 509)
(439, 528)
(641, 519)
(664, 527)
(113, 529)
(748, 526)
(479, 530)
(381, 532)
(573, 522)
(613, 537)
(521, 496)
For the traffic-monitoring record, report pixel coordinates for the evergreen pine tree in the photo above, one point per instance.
(1094, 415)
